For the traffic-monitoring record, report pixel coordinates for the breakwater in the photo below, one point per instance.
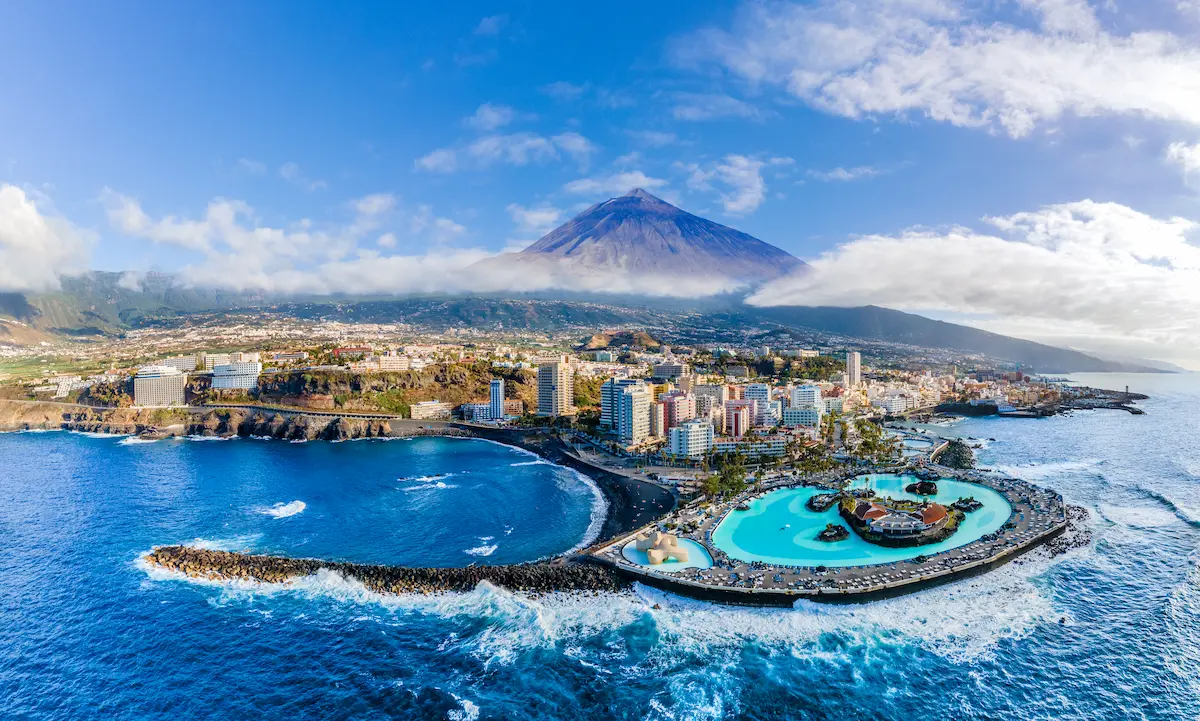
(530, 578)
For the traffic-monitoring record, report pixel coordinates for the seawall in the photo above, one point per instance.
(532, 578)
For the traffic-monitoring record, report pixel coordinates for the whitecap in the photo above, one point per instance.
(429, 486)
(93, 434)
(468, 712)
(538, 462)
(425, 479)
(284, 510)
(484, 550)
(134, 440)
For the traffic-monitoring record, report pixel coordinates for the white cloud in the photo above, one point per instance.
(442, 160)
(130, 280)
(844, 175)
(36, 249)
(251, 167)
(1185, 157)
(711, 106)
(953, 63)
(539, 220)
(517, 149)
(653, 138)
(614, 184)
(291, 172)
(562, 90)
(1099, 271)
(489, 117)
(491, 25)
(742, 177)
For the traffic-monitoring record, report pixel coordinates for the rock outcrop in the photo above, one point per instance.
(532, 578)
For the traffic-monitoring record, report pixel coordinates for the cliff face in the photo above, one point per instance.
(393, 391)
(177, 422)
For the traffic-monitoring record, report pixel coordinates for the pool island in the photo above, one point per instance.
(779, 543)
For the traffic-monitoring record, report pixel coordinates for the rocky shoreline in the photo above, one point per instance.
(533, 578)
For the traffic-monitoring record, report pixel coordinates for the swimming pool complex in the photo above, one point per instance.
(778, 528)
(698, 557)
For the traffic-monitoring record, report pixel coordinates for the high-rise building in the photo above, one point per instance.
(760, 394)
(692, 439)
(496, 400)
(610, 398)
(806, 396)
(159, 385)
(212, 360)
(633, 415)
(738, 418)
(556, 391)
(718, 392)
(802, 416)
(853, 368)
(678, 407)
(658, 420)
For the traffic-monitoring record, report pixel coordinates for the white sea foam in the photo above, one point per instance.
(598, 513)
(134, 440)
(236, 543)
(439, 485)
(299, 440)
(284, 510)
(91, 434)
(425, 479)
(209, 438)
(468, 712)
(484, 550)
(1045, 471)
(538, 462)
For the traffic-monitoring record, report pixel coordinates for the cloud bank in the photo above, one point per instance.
(36, 248)
(1101, 273)
(1006, 66)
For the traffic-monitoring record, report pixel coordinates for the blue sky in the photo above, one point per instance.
(459, 129)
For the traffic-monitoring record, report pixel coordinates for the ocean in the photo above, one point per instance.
(86, 631)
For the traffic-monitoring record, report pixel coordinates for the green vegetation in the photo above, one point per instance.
(874, 445)
(821, 368)
(729, 480)
(587, 391)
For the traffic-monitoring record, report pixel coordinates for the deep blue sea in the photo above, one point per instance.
(1107, 632)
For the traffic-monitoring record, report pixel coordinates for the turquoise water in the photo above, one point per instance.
(780, 529)
(697, 557)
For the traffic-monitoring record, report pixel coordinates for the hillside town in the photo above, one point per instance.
(627, 394)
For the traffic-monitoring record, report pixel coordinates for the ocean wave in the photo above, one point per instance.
(425, 479)
(1188, 515)
(538, 462)
(284, 510)
(468, 711)
(209, 438)
(236, 543)
(599, 510)
(439, 485)
(93, 434)
(515, 449)
(134, 441)
(484, 550)
(1046, 471)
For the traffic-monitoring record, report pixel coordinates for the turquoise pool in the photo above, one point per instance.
(697, 557)
(778, 528)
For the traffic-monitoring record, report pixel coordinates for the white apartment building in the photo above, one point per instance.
(658, 420)
(556, 388)
(804, 416)
(752, 446)
(159, 385)
(243, 375)
(394, 362)
(182, 363)
(429, 410)
(212, 360)
(671, 370)
(806, 396)
(633, 415)
(692, 439)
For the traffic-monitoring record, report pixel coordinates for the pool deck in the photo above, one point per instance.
(1038, 515)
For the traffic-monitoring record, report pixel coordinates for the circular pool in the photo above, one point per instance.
(697, 557)
(779, 528)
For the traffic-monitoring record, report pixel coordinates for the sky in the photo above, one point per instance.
(1030, 167)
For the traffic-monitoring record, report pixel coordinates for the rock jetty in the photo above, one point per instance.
(532, 578)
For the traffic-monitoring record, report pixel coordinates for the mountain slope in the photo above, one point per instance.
(893, 326)
(640, 234)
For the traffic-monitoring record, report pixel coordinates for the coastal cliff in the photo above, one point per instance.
(533, 578)
(165, 422)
